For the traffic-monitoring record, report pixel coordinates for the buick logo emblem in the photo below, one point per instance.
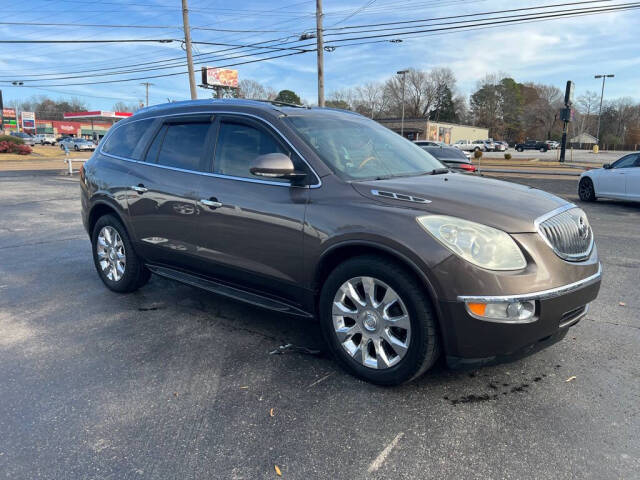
(583, 227)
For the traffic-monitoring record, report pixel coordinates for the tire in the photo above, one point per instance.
(477, 149)
(586, 191)
(543, 150)
(397, 365)
(520, 149)
(75, 147)
(134, 274)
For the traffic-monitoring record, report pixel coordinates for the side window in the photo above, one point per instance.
(237, 147)
(625, 162)
(181, 145)
(123, 141)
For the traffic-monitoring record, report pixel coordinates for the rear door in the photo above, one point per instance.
(252, 234)
(164, 203)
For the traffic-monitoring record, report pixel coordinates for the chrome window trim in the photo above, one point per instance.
(210, 174)
(568, 257)
(541, 295)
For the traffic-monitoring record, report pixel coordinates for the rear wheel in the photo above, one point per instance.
(378, 321)
(586, 191)
(520, 149)
(117, 264)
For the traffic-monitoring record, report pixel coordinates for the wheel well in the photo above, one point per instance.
(340, 254)
(98, 211)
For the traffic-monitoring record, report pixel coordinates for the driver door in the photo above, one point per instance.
(611, 181)
(253, 231)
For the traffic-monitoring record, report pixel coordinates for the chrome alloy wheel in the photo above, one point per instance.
(111, 254)
(371, 322)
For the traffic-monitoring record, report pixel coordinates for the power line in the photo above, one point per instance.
(127, 40)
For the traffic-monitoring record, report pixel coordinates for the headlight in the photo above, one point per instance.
(479, 244)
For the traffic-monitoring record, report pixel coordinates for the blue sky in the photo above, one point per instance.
(549, 52)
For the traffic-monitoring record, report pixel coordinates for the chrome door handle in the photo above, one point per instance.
(211, 203)
(139, 189)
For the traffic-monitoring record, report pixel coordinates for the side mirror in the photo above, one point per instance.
(606, 166)
(276, 165)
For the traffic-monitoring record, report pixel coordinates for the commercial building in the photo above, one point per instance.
(423, 129)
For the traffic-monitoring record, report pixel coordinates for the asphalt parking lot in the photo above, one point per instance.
(172, 382)
(586, 156)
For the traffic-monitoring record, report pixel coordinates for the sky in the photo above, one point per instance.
(549, 52)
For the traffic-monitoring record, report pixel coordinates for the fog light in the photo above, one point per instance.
(508, 312)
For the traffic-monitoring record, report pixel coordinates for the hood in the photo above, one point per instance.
(507, 206)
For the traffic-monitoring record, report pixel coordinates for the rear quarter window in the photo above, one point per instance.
(125, 138)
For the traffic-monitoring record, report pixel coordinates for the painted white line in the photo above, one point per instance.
(377, 463)
(320, 380)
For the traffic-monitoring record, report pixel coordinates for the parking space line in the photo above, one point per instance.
(377, 463)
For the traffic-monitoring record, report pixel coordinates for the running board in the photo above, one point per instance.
(228, 291)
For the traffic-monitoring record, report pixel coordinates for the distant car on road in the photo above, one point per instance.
(45, 139)
(26, 138)
(620, 180)
(532, 145)
(454, 158)
(553, 145)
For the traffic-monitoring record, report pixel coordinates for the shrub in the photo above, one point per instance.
(477, 154)
(507, 156)
(11, 147)
(11, 139)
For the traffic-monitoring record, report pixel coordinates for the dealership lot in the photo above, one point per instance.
(582, 156)
(173, 382)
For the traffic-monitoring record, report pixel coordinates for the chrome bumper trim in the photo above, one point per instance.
(544, 294)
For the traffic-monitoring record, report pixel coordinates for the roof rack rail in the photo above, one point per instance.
(283, 104)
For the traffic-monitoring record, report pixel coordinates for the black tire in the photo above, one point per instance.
(477, 149)
(424, 345)
(520, 149)
(135, 273)
(586, 191)
(543, 150)
(75, 147)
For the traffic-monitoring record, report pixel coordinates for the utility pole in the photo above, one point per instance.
(320, 52)
(566, 115)
(404, 78)
(187, 42)
(147, 85)
(604, 78)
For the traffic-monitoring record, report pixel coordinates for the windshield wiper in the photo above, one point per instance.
(437, 171)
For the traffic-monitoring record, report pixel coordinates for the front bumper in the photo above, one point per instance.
(470, 341)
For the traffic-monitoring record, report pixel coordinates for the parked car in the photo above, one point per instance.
(466, 145)
(500, 146)
(326, 213)
(620, 180)
(26, 138)
(552, 144)
(454, 158)
(484, 145)
(532, 145)
(77, 144)
(45, 139)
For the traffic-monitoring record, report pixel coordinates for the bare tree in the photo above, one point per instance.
(251, 89)
(586, 106)
(370, 99)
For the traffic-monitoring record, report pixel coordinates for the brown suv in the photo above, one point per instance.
(325, 213)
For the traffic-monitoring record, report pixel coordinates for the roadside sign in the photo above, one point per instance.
(28, 120)
(219, 77)
(568, 94)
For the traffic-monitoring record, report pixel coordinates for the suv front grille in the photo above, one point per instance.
(568, 233)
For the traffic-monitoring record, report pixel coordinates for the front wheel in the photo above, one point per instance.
(586, 191)
(520, 149)
(378, 322)
(117, 264)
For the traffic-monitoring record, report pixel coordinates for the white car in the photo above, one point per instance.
(45, 139)
(620, 180)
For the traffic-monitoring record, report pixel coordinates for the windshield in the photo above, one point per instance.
(356, 148)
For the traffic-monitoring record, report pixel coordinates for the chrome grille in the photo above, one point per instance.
(568, 233)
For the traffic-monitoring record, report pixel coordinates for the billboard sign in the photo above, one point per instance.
(28, 120)
(219, 77)
(9, 118)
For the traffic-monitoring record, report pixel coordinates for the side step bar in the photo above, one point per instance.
(228, 291)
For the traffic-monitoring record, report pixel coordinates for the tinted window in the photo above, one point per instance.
(183, 146)
(123, 141)
(152, 153)
(446, 153)
(238, 146)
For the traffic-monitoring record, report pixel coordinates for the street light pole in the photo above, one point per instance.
(404, 77)
(604, 78)
(187, 44)
(320, 51)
